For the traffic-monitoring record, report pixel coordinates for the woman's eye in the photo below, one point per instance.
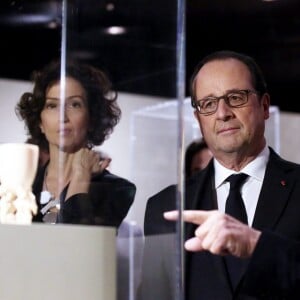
(50, 105)
(75, 104)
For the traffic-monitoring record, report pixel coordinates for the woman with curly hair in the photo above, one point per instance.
(70, 110)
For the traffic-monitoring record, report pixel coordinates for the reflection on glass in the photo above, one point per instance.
(69, 116)
(135, 43)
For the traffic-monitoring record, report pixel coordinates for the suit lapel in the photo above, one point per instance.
(199, 194)
(277, 185)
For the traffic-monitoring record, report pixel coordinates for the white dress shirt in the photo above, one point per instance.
(250, 189)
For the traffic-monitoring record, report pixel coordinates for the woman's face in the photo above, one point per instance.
(65, 123)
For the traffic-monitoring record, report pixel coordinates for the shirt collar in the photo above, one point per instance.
(256, 168)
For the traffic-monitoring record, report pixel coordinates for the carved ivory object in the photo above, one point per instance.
(18, 166)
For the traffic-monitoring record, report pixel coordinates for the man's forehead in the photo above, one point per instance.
(229, 74)
(221, 75)
(224, 65)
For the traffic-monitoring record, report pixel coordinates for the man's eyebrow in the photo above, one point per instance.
(234, 90)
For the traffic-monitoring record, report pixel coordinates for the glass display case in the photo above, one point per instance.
(141, 49)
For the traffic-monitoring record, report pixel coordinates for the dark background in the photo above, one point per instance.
(143, 59)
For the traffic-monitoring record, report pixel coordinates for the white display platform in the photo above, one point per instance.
(61, 262)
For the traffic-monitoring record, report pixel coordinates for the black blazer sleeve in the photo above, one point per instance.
(274, 270)
(107, 202)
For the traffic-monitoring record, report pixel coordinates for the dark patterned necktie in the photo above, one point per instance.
(236, 208)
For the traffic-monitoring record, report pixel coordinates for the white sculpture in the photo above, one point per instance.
(18, 166)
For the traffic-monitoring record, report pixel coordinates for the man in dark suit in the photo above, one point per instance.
(253, 254)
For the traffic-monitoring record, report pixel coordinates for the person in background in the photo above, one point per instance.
(197, 156)
(69, 116)
(242, 236)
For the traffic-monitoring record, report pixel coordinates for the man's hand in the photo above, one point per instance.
(218, 233)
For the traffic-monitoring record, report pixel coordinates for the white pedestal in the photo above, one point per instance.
(61, 262)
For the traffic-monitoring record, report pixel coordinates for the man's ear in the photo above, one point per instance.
(196, 115)
(265, 101)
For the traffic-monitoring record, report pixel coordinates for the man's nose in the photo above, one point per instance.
(223, 110)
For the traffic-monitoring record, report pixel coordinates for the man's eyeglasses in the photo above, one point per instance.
(209, 105)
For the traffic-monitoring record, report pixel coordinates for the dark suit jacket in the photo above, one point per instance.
(107, 202)
(271, 273)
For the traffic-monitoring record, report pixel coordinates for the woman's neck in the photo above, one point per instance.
(58, 173)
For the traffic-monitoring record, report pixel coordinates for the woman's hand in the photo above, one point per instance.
(86, 161)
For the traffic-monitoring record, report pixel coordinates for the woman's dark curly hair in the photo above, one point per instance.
(103, 109)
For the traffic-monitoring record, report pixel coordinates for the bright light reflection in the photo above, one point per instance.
(116, 30)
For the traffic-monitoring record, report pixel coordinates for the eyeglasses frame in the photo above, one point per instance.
(225, 97)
